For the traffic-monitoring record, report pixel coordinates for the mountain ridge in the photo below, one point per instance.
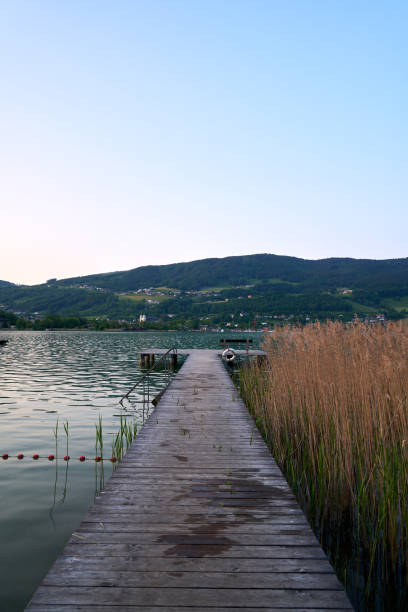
(237, 268)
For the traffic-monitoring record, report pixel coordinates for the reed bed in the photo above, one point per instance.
(332, 405)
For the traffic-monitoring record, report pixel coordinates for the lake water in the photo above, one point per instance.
(47, 377)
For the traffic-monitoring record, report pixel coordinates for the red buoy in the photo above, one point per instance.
(20, 456)
(36, 456)
(5, 456)
(98, 458)
(50, 457)
(113, 459)
(82, 458)
(66, 457)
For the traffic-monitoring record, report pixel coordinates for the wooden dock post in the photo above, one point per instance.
(144, 359)
(173, 361)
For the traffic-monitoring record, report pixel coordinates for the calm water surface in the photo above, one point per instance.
(47, 377)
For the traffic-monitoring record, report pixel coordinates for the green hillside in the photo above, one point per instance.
(230, 289)
(323, 273)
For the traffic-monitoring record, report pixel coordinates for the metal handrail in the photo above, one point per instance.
(146, 374)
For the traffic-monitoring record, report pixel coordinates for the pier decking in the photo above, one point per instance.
(196, 517)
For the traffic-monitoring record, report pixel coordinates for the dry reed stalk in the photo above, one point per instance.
(332, 405)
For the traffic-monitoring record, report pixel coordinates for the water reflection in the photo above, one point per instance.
(51, 510)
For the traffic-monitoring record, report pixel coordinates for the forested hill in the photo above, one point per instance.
(5, 284)
(240, 270)
(217, 291)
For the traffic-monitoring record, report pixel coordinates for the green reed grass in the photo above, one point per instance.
(121, 441)
(66, 430)
(332, 403)
(55, 432)
(99, 437)
(124, 437)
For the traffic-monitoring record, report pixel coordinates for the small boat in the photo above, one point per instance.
(3, 341)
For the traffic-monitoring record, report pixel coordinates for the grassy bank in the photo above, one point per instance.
(332, 405)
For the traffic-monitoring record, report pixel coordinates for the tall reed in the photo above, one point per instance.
(66, 430)
(124, 438)
(99, 437)
(332, 405)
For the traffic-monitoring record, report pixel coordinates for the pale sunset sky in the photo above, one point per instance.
(155, 131)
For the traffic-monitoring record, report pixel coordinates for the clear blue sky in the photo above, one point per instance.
(144, 132)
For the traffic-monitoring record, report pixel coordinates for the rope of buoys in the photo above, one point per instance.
(51, 457)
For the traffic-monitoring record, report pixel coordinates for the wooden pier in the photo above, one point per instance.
(197, 517)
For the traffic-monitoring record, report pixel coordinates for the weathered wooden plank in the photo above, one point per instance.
(185, 550)
(197, 516)
(125, 608)
(212, 598)
(179, 514)
(196, 504)
(198, 513)
(199, 497)
(193, 539)
(232, 486)
(228, 484)
(212, 580)
(189, 474)
(191, 565)
(296, 526)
